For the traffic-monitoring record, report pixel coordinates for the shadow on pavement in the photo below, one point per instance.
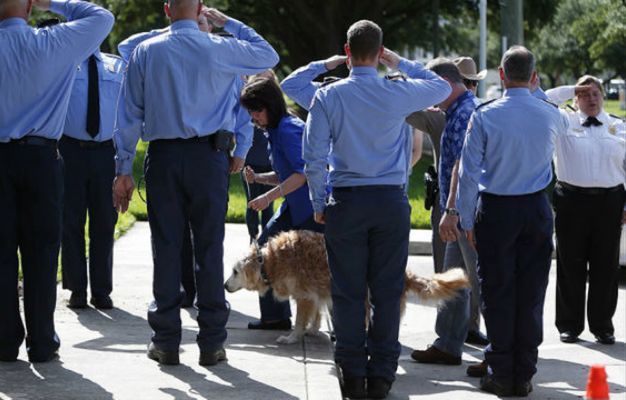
(22, 380)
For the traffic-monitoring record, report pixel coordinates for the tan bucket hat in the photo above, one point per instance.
(467, 67)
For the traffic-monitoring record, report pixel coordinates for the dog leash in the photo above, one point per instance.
(261, 261)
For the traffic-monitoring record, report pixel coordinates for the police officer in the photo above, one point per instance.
(37, 68)
(363, 117)
(88, 154)
(187, 161)
(508, 154)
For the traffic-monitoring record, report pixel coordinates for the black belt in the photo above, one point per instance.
(34, 141)
(367, 188)
(511, 196)
(89, 144)
(590, 190)
(195, 139)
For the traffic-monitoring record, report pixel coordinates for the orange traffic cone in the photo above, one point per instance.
(597, 388)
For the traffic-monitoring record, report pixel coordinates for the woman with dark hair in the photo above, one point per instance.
(264, 100)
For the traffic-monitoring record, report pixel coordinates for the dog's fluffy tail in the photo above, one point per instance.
(438, 288)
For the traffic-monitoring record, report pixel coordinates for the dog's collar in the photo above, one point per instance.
(261, 261)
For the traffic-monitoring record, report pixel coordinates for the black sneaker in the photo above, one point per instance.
(208, 358)
(476, 337)
(523, 389)
(77, 301)
(354, 388)
(102, 303)
(162, 356)
(378, 388)
(488, 384)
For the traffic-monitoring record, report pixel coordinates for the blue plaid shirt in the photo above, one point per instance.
(457, 118)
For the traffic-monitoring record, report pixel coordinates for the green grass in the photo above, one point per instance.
(612, 107)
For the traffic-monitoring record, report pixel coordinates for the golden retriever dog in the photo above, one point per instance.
(294, 264)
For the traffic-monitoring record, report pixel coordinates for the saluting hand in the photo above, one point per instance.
(42, 4)
(215, 17)
(335, 61)
(389, 59)
(582, 89)
(123, 186)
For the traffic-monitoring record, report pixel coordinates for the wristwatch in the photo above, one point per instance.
(452, 211)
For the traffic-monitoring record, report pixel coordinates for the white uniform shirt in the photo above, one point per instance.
(593, 156)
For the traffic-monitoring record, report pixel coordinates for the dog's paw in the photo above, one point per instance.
(289, 339)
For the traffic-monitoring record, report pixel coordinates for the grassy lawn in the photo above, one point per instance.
(612, 107)
(420, 218)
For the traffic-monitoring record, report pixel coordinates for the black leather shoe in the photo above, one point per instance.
(378, 388)
(477, 338)
(77, 301)
(44, 358)
(354, 388)
(162, 356)
(568, 337)
(477, 370)
(102, 303)
(605, 338)
(488, 384)
(208, 358)
(433, 355)
(523, 389)
(282, 325)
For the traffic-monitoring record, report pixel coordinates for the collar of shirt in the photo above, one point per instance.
(10, 22)
(364, 71)
(512, 92)
(459, 100)
(184, 24)
(602, 117)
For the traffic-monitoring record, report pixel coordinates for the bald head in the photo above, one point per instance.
(15, 8)
(183, 9)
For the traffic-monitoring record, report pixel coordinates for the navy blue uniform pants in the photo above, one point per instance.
(271, 309)
(367, 240)
(89, 174)
(588, 228)
(187, 179)
(514, 243)
(31, 201)
(188, 277)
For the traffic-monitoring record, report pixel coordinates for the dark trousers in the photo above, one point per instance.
(367, 240)
(271, 309)
(89, 174)
(31, 200)
(588, 228)
(186, 178)
(514, 243)
(188, 264)
(257, 189)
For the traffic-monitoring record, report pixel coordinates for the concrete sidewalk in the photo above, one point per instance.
(103, 353)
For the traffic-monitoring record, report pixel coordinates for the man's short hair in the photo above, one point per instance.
(591, 80)
(445, 68)
(365, 39)
(518, 64)
(175, 3)
(265, 94)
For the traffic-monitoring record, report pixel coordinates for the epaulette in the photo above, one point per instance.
(330, 79)
(571, 107)
(618, 117)
(551, 103)
(224, 34)
(396, 76)
(485, 103)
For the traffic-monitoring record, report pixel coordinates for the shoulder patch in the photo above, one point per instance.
(617, 117)
(551, 103)
(485, 103)
(329, 79)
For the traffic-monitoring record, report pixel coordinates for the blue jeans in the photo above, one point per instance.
(453, 317)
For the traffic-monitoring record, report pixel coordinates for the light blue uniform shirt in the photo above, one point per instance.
(37, 67)
(184, 83)
(508, 149)
(357, 127)
(300, 87)
(244, 130)
(110, 76)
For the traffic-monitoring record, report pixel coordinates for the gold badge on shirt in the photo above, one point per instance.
(613, 129)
